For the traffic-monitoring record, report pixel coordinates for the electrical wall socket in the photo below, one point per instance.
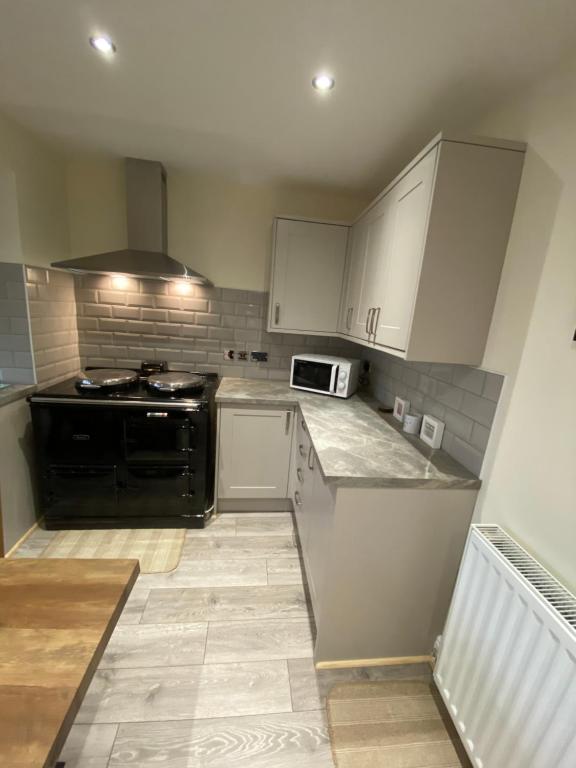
(228, 354)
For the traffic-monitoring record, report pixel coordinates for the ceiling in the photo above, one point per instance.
(224, 85)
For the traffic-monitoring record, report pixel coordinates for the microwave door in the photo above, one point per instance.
(334, 379)
(318, 377)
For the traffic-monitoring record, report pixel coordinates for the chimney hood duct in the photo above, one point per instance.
(146, 213)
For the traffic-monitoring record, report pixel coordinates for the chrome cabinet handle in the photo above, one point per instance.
(349, 318)
(288, 417)
(277, 313)
(374, 323)
(300, 475)
(368, 316)
(301, 450)
(310, 459)
(297, 498)
(303, 423)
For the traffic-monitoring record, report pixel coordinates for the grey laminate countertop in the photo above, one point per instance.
(15, 392)
(354, 443)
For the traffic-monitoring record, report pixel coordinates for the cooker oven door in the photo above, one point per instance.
(158, 437)
(153, 491)
(80, 491)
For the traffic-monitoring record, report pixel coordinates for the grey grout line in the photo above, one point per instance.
(199, 719)
(113, 744)
(205, 644)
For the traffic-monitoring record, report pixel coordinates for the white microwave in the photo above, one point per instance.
(336, 376)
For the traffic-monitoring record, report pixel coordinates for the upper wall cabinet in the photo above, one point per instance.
(425, 259)
(307, 274)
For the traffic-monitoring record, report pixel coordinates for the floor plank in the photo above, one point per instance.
(240, 547)
(208, 573)
(267, 526)
(89, 746)
(135, 605)
(184, 693)
(153, 645)
(262, 639)
(167, 606)
(284, 571)
(218, 526)
(290, 740)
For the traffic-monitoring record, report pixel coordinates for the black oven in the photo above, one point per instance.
(112, 465)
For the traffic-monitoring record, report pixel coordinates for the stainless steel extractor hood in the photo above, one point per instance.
(146, 255)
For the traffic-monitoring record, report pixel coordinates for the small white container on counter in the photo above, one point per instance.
(412, 423)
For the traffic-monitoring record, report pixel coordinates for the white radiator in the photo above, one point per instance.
(507, 663)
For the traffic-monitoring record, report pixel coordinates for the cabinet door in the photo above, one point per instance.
(376, 225)
(350, 321)
(254, 453)
(401, 254)
(307, 275)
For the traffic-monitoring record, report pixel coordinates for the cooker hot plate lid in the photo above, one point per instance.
(106, 378)
(175, 381)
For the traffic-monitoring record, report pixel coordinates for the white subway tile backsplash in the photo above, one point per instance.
(463, 398)
(470, 379)
(479, 409)
(493, 387)
(187, 329)
(54, 322)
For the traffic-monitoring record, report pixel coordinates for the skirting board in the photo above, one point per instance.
(23, 538)
(254, 505)
(385, 662)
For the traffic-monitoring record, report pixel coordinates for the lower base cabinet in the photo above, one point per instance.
(254, 451)
(380, 563)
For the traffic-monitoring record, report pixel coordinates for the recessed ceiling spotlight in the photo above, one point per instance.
(323, 82)
(103, 44)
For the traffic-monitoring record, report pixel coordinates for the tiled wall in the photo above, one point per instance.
(52, 306)
(462, 397)
(146, 319)
(16, 363)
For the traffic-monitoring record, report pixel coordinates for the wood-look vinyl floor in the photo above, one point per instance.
(210, 665)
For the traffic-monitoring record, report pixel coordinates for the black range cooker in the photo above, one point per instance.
(126, 448)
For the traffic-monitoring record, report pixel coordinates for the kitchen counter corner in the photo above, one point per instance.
(356, 445)
(14, 392)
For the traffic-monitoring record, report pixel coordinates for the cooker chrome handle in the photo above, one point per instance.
(157, 414)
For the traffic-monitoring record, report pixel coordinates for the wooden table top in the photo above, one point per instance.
(56, 617)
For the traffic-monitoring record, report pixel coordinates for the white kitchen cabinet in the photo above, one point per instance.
(307, 276)
(425, 258)
(313, 507)
(254, 451)
(395, 286)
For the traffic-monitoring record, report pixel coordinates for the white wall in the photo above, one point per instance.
(221, 228)
(530, 471)
(39, 173)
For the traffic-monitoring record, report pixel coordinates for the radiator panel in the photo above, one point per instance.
(507, 663)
